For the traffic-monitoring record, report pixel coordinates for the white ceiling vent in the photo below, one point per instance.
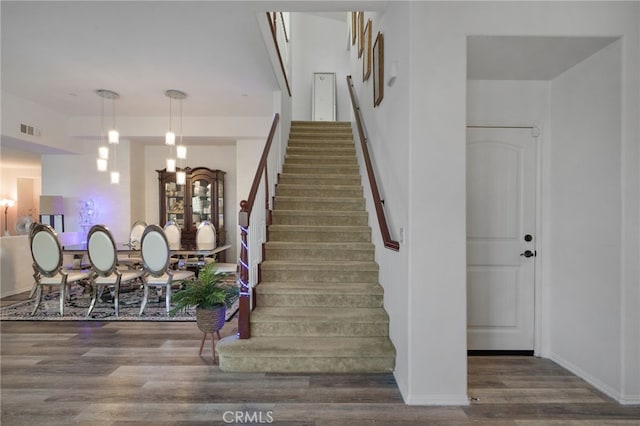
(27, 129)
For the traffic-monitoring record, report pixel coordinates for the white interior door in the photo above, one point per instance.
(324, 96)
(501, 184)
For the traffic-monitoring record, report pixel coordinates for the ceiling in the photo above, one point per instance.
(58, 53)
(526, 57)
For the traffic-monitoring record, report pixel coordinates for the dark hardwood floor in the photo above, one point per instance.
(126, 373)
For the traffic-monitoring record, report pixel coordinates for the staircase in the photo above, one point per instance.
(319, 306)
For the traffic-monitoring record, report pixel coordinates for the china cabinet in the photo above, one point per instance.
(200, 198)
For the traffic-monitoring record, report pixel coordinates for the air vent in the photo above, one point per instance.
(27, 129)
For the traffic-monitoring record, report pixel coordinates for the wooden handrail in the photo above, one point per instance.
(377, 201)
(246, 207)
(272, 25)
(262, 164)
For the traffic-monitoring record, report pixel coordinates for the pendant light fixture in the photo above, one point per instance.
(170, 137)
(113, 136)
(181, 152)
(103, 149)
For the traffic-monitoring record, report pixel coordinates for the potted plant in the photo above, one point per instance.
(211, 296)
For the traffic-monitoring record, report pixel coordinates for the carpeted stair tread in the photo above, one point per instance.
(310, 233)
(319, 245)
(294, 287)
(311, 265)
(307, 346)
(321, 150)
(307, 354)
(311, 217)
(320, 191)
(320, 321)
(320, 159)
(320, 294)
(342, 169)
(334, 179)
(319, 314)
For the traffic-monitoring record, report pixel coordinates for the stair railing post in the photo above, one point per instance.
(245, 288)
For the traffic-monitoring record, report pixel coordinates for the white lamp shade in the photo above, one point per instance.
(171, 165)
(115, 177)
(170, 138)
(103, 152)
(114, 136)
(181, 152)
(181, 178)
(101, 164)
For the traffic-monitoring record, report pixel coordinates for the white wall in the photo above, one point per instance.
(51, 124)
(76, 179)
(388, 130)
(438, 105)
(585, 219)
(318, 44)
(431, 367)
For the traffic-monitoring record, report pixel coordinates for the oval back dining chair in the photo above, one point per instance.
(205, 240)
(135, 235)
(174, 235)
(133, 261)
(47, 265)
(155, 261)
(103, 257)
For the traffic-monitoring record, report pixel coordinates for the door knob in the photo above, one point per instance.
(528, 253)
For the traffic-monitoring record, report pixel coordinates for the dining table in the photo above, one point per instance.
(80, 249)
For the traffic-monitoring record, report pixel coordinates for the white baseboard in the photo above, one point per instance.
(597, 383)
(437, 399)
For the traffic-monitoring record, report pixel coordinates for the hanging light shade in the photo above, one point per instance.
(181, 152)
(101, 164)
(171, 165)
(170, 136)
(181, 178)
(113, 136)
(103, 152)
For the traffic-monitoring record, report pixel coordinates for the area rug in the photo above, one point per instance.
(80, 298)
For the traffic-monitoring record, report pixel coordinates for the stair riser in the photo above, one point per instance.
(322, 151)
(281, 218)
(320, 276)
(320, 237)
(329, 136)
(320, 300)
(314, 160)
(319, 143)
(355, 192)
(310, 179)
(347, 205)
(334, 169)
(318, 329)
(326, 255)
(338, 364)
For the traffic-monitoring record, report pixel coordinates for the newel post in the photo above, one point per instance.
(245, 288)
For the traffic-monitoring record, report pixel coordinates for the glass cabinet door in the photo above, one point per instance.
(200, 201)
(220, 203)
(174, 203)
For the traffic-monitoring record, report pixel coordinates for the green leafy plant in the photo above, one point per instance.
(207, 290)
